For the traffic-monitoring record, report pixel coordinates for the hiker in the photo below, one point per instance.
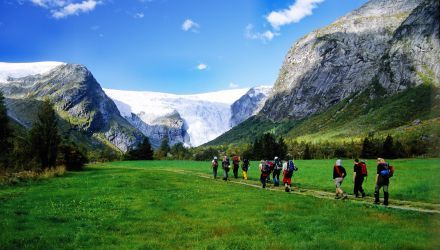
(339, 174)
(214, 165)
(278, 166)
(288, 169)
(270, 170)
(359, 173)
(226, 167)
(236, 165)
(384, 172)
(265, 171)
(245, 167)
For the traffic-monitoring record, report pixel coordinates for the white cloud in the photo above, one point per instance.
(63, 8)
(202, 66)
(233, 85)
(139, 15)
(75, 8)
(190, 25)
(249, 33)
(293, 14)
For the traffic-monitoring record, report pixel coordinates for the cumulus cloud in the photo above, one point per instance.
(190, 25)
(233, 85)
(64, 8)
(265, 36)
(293, 14)
(202, 66)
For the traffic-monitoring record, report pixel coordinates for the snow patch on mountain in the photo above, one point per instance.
(16, 70)
(206, 115)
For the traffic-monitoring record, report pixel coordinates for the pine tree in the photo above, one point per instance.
(5, 131)
(368, 148)
(307, 153)
(145, 150)
(388, 147)
(44, 136)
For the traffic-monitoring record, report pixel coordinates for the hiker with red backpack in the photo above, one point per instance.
(384, 173)
(245, 167)
(278, 166)
(288, 169)
(339, 174)
(264, 168)
(214, 165)
(226, 166)
(359, 173)
(236, 165)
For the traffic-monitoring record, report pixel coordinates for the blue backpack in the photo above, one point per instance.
(291, 167)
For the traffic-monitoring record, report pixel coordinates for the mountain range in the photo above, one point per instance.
(121, 118)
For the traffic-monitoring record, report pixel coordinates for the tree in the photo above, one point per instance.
(71, 156)
(142, 152)
(5, 132)
(44, 136)
(307, 153)
(368, 148)
(163, 150)
(388, 148)
(179, 152)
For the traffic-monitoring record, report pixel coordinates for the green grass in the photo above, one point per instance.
(138, 205)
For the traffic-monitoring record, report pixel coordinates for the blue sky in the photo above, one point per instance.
(177, 46)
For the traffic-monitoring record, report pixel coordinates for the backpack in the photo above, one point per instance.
(266, 168)
(290, 166)
(388, 172)
(215, 163)
(364, 171)
(278, 165)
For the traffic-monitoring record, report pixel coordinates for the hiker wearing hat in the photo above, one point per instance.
(339, 174)
(214, 165)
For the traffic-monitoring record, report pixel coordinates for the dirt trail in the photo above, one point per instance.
(416, 206)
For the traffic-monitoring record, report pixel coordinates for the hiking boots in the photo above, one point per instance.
(385, 198)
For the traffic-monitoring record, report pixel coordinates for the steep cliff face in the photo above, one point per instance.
(330, 64)
(249, 104)
(78, 99)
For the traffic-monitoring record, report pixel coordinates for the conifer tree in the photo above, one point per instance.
(5, 131)
(44, 136)
(388, 147)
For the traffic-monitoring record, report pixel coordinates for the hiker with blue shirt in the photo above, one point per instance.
(339, 174)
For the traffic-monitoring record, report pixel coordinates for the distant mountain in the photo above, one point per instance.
(249, 104)
(124, 118)
(78, 98)
(190, 119)
(374, 70)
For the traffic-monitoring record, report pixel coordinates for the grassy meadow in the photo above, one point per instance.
(154, 205)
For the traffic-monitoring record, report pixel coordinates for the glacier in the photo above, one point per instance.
(206, 115)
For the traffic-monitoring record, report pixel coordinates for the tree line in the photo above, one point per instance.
(42, 147)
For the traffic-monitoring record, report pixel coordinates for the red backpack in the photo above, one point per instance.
(363, 168)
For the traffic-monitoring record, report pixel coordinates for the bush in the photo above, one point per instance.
(71, 156)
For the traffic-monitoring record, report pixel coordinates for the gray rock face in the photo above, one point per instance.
(330, 64)
(78, 98)
(249, 104)
(171, 126)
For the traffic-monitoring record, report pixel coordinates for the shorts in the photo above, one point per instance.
(338, 181)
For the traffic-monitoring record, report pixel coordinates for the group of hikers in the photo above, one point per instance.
(287, 168)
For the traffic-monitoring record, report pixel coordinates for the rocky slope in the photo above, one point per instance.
(395, 41)
(249, 104)
(77, 96)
